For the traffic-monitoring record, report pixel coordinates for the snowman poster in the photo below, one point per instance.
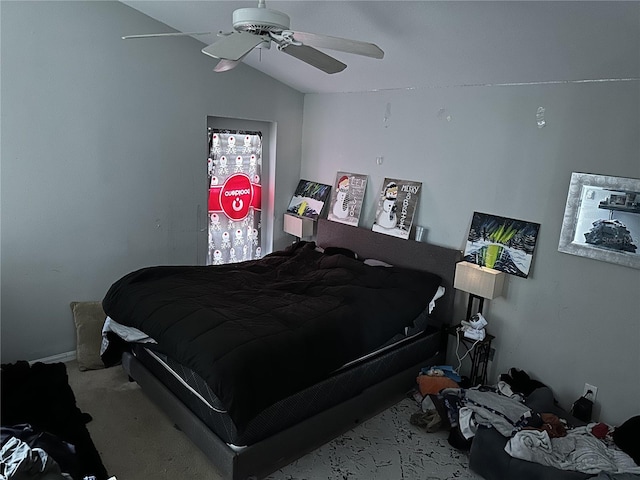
(396, 207)
(347, 198)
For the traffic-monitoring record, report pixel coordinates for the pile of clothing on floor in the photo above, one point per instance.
(535, 436)
(44, 433)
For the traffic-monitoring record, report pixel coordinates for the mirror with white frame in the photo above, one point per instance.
(602, 219)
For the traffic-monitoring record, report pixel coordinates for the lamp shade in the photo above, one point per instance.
(298, 226)
(476, 280)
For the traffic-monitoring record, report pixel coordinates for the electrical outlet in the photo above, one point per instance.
(590, 392)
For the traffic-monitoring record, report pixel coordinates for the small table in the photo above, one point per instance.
(479, 352)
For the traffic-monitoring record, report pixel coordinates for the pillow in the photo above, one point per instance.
(88, 318)
(341, 251)
(372, 262)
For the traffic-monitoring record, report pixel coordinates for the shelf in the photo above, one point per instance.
(479, 353)
(620, 208)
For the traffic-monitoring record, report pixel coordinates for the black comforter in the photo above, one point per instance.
(261, 330)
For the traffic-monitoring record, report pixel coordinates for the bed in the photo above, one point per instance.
(254, 403)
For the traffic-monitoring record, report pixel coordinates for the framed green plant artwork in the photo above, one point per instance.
(501, 243)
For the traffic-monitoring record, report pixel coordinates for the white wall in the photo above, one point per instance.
(103, 172)
(574, 320)
(104, 157)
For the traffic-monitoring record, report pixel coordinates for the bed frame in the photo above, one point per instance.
(268, 455)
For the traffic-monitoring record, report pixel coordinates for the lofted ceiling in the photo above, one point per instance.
(434, 44)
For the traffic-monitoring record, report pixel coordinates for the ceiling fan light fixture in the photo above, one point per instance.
(258, 27)
(260, 20)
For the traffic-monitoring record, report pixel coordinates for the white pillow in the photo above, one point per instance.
(372, 262)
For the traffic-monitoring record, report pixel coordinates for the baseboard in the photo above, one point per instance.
(60, 357)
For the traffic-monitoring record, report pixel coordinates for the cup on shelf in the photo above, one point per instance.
(420, 234)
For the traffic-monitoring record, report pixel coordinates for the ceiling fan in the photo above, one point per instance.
(260, 26)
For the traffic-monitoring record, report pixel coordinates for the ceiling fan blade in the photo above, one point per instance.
(315, 58)
(339, 44)
(234, 46)
(171, 34)
(226, 65)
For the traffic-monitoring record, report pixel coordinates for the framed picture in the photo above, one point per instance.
(501, 243)
(396, 207)
(347, 198)
(602, 219)
(309, 199)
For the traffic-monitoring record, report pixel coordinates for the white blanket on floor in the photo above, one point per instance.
(578, 450)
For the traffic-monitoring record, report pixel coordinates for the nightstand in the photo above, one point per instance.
(479, 353)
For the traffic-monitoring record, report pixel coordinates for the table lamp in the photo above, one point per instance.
(298, 226)
(479, 282)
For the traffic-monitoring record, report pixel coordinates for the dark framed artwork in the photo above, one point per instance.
(309, 199)
(501, 243)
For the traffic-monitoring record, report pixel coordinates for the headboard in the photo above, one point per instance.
(397, 251)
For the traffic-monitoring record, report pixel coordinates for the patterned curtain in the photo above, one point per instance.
(234, 170)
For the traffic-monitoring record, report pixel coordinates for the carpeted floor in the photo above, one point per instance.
(138, 442)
